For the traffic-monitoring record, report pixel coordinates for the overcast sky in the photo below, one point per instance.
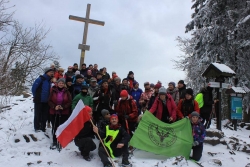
(138, 36)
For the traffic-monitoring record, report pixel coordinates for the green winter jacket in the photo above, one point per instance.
(87, 100)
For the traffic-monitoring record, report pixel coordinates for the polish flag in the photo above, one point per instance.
(69, 129)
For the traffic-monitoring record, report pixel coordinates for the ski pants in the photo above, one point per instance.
(85, 145)
(41, 111)
(197, 152)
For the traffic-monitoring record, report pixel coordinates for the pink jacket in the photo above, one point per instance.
(157, 107)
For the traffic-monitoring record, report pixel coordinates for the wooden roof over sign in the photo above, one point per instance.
(217, 70)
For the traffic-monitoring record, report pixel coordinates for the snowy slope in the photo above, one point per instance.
(18, 121)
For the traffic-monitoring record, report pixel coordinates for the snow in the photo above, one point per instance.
(223, 68)
(238, 89)
(18, 121)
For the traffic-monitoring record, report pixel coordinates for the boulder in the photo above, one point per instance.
(212, 141)
(214, 133)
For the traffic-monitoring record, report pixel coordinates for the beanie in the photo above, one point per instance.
(162, 91)
(152, 85)
(113, 116)
(93, 79)
(104, 112)
(194, 113)
(84, 87)
(103, 81)
(130, 72)
(61, 80)
(146, 83)
(157, 86)
(134, 83)
(172, 83)
(125, 79)
(117, 79)
(48, 69)
(79, 76)
(77, 72)
(189, 91)
(75, 64)
(124, 93)
(68, 79)
(181, 82)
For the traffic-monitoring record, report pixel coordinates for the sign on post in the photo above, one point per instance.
(217, 85)
(236, 107)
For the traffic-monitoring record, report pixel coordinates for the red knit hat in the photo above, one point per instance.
(124, 93)
(158, 86)
(113, 116)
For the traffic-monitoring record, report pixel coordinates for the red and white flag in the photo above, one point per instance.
(69, 129)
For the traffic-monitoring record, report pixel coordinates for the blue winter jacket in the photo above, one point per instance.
(45, 89)
(199, 132)
(136, 94)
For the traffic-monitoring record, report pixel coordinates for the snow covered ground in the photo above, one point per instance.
(17, 121)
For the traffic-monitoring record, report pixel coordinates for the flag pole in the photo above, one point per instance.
(103, 145)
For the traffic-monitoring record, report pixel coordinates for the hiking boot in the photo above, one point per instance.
(48, 125)
(87, 158)
(107, 165)
(125, 162)
(53, 146)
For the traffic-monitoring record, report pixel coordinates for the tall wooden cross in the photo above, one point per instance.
(86, 20)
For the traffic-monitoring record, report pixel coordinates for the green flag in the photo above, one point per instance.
(155, 136)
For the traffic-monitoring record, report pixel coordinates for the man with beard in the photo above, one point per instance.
(41, 91)
(75, 67)
(182, 89)
(187, 105)
(145, 97)
(84, 70)
(154, 96)
(174, 92)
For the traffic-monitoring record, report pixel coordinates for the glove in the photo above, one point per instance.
(196, 143)
(126, 117)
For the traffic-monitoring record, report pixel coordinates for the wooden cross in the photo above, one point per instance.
(86, 20)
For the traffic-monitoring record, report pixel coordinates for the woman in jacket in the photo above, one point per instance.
(60, 103)
(164, 107)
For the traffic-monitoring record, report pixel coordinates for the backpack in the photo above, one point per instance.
(37, 98)
(199, 99)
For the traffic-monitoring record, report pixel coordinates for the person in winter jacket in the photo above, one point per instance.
(154, 95)
(103, 100)
(41, 91)
(95, 70)
(93, 87)
(69, 86)
(79, 82)
(75, 67)
(59, 73)
(131, 79)
(84, 70)
(84, 96)
(69, 73)
(99, 78)
(115, 139)
(174, 92)
(199, 133)
(164, 107)
(84, 139)
(60, 103)
(145, 97)
(105, 75)
(104, 120)
(116, 90)
(88, 76)
(136, 94)
(187, 105)
(127, 112)
(125, 85)
(208, 102)
(182, 89)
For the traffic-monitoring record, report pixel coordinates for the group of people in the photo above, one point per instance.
(116, 106)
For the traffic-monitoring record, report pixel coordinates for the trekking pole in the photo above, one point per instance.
(53, 130)
(212, 113)
(103, 145)
(126, 122)
(59, 147)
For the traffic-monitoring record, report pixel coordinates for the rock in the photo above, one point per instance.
(248, 165)
(26, 95)
(214, 133)
(17, 140)
(248, 128)
(215, 161)
(242, 124)
(38, 162)
(212, 141)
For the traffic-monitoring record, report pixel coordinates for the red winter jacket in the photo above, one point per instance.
(66, 104)
(157, 107)
(180, 109)
(127, 107)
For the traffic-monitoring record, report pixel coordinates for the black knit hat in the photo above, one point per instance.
(189, 91)
(84, 87)
(130, 72)
(181, 82)
(103, 81)
(125, 79)
(69, 79)
(79, 76)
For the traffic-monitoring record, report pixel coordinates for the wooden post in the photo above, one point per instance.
(87, 21)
